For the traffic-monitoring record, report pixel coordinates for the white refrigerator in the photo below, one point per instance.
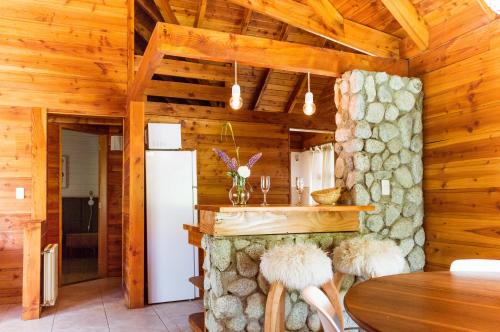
(171, 194)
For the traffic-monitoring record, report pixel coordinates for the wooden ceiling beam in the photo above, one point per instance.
(177, 68)
(245, 22)
(292, 101)
(487, 10)
(152, 11)
(304, 16)
(151, 61)
(166, 11)
(219, 46)
(200, 14)
(299, 120)
(408, 17)
(171, 89)
(328, 14)
(285, 29)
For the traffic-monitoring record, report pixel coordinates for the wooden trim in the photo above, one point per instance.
(133, 204)
(407, 15)
(130, 42)
(103, 207)
(39, 163)
(351, 34)
(263, 52)
(60, 222)
(32, 246)
(286, 208)
(245, 22)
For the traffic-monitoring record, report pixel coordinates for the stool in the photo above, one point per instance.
(367, 258)
(294, 267)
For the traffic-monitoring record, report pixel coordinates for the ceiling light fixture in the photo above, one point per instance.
(235, 102)
(309, 107)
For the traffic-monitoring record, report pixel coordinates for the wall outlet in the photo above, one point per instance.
(19, 193)
(386, 187)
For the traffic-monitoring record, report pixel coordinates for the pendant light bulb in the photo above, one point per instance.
(235, 102)
(309, 107)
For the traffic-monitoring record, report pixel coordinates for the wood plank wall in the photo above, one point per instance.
(76, 61)
(213, 184)
(461, 76)
(114, 222)
(15, 166)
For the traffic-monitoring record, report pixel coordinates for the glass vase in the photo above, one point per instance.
(239, 194)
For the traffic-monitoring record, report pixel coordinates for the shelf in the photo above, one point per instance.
(197, 282)
(197, 322)
(285, 208)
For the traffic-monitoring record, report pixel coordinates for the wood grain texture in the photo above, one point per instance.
(133, 205)
(76, 60)
(16, 165)
(277, 222)
(261, 52)
(427, 302)
(461, 118)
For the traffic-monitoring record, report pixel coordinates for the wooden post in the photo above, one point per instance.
(32, 238)
(133, 205)
(103, 206)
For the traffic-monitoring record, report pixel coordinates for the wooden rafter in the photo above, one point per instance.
(200, 14)
(487, 10)
(406, 14)
(328, 14)
(353, 35)
(285, 29)
(152, 11)
(245, 22)
(203, 71)
(182, 41)
(166, 11)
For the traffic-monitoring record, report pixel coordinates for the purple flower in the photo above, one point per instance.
(254, 159)
(225, 158)
(234, 164)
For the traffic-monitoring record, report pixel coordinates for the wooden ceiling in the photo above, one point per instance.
(192, 82)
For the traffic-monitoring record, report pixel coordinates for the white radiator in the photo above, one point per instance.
(50, 274)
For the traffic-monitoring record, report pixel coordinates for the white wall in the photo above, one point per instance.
(83, 162)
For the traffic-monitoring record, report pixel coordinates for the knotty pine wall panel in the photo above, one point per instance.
(15, 171)
(65, 55)
(461, 76)
(213, 184)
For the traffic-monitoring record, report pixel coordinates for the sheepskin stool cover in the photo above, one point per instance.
(296, 266)
(368, 257)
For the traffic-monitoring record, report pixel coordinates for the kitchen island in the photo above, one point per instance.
(233, 239)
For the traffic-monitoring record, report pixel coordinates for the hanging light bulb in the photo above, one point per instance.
(309, 108)
(235, 102)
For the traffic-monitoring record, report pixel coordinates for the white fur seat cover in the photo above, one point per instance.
(296, 266)
(368, 257)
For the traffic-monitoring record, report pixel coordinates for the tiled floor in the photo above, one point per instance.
(98, 306)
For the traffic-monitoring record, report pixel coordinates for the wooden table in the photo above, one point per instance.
(428, 301)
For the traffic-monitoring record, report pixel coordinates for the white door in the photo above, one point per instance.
(169, 203)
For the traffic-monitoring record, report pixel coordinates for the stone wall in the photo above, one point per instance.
(236, 292)
(379, 136)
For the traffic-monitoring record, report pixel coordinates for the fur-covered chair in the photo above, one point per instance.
(295, 267)
(366, 257)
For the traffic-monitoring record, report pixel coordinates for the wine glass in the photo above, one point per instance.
(299, 186)
(265, 185)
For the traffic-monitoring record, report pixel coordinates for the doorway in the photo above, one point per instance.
(84, 196)
(81, 205)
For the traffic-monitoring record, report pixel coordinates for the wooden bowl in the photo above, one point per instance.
(328, 196)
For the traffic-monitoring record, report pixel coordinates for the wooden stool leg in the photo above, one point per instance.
(274, 319)
(333, 294)
(338, 278)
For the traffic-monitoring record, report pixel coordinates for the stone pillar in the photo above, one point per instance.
(379, 137)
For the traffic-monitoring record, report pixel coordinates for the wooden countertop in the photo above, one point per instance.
(228, 220)
(285, 208)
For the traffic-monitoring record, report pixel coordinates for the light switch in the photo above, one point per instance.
(19, 193)
(386, 187)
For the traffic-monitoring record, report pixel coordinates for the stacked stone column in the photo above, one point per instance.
(379, 137)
